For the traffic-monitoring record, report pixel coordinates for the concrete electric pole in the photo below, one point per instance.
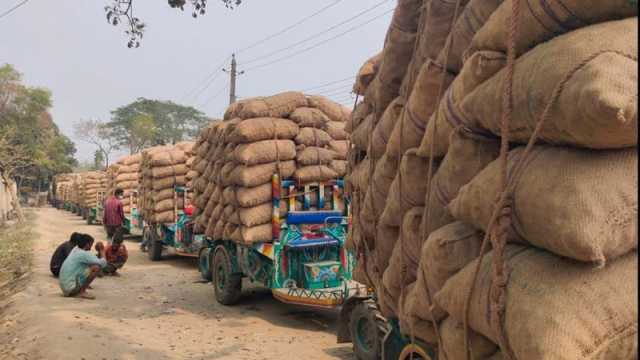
(234, 75)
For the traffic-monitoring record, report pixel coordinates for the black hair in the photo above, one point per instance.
(118, 192)
(84, 240)
(74, 238)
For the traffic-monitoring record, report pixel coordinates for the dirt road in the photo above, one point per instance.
(153, 311)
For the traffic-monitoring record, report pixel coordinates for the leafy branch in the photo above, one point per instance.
(122, 10)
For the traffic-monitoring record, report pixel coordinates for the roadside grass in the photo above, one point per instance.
(15, 255)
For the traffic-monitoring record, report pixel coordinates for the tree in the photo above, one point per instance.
(98, 160)
(122, 11)
(145, 123)
(99, 134)
(31, 145)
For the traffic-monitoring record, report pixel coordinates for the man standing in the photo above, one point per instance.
(80, 268)
(62, 252)
(113, 217)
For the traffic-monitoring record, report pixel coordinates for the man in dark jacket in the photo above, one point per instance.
(113, 217)
(61, 253)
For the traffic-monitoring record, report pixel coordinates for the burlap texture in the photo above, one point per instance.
(313, 137)
(265, 151)
(279, 105)
(314, 156)
(563, 201)
(595, 311)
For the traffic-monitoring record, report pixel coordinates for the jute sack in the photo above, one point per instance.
(405, 256)
(225, 175)
(385, 242)
(167, 157)
(472, 18)
(218, 229)
(340, 149)
(314, 156)
(166, 171)
(249, 176)
(127, 177)
(448, 114)
(252, 196)
(168, 182)
(333, 110)
(229, 230)
(186, 146)
(264, 151)
(375, 199)
(453, 347)
(228, 196)
(167, 205)
(313, 137)
(445, 252)
(362, 134)
(254, 234)
(279, 105)
(340, 167)
(421, 329)
(163, 217)
(468, 155)
(256, 215)
(407, 189)
(542, 20)
(405, 15)
(384, 127)
(397, 53)
(307, 174)
(126, 185)
(165, 194)
(132, 159)
(359, 176)
(410, 128)
(229, 152)
(309, 117)
(335, 129)
(595, 310)
(597, 107)
(201, 165)
(257, 129)
(361, 111)
(366, 74)
(563, 201)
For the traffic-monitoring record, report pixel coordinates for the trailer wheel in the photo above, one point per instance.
(89, 220)
(227, 285)
(367, 331)
(154, 245)
(204, 263)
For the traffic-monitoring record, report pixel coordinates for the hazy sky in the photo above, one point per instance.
(68, 47)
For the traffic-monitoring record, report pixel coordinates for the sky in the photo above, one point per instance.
(68, 47)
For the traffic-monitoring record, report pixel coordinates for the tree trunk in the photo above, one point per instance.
(14, 198)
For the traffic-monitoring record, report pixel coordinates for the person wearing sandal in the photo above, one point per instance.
(80, 268)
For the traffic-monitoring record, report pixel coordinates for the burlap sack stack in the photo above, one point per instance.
(162, 169)
(125, 175)
(430, 191)
(62, 183)
(290, 134)
(90, 184)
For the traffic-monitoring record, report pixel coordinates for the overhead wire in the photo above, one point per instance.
(207, 81)
(316, 35)
(290, 56)
(215, 95)
(14, 8)
(288, 27)
(327, 84)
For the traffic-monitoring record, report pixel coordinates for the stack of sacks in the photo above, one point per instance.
(162, 169)
(125, 174)
(198, 182)
(61, 182)
(290, 134)
(572, 231)
(90, 184)
(74, 189)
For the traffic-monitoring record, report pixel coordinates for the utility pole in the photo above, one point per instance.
(234, 75)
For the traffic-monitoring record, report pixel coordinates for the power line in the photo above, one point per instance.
(216, 95)
(327, 84)
(13, 9)
(207, 80)
(288, 27)
(342, 89)
(320, 43)
(315, 35)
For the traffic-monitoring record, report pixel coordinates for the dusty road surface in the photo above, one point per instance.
(154, 311)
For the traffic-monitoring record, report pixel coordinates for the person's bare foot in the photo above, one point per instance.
(86, 295)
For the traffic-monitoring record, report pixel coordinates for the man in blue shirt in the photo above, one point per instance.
(80, 268)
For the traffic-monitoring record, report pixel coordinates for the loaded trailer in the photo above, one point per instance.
(305, 264)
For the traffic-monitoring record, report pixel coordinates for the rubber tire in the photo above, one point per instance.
(207, 275)
(366, 311)
(89, 220)
(230, 292)
(155, 246)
